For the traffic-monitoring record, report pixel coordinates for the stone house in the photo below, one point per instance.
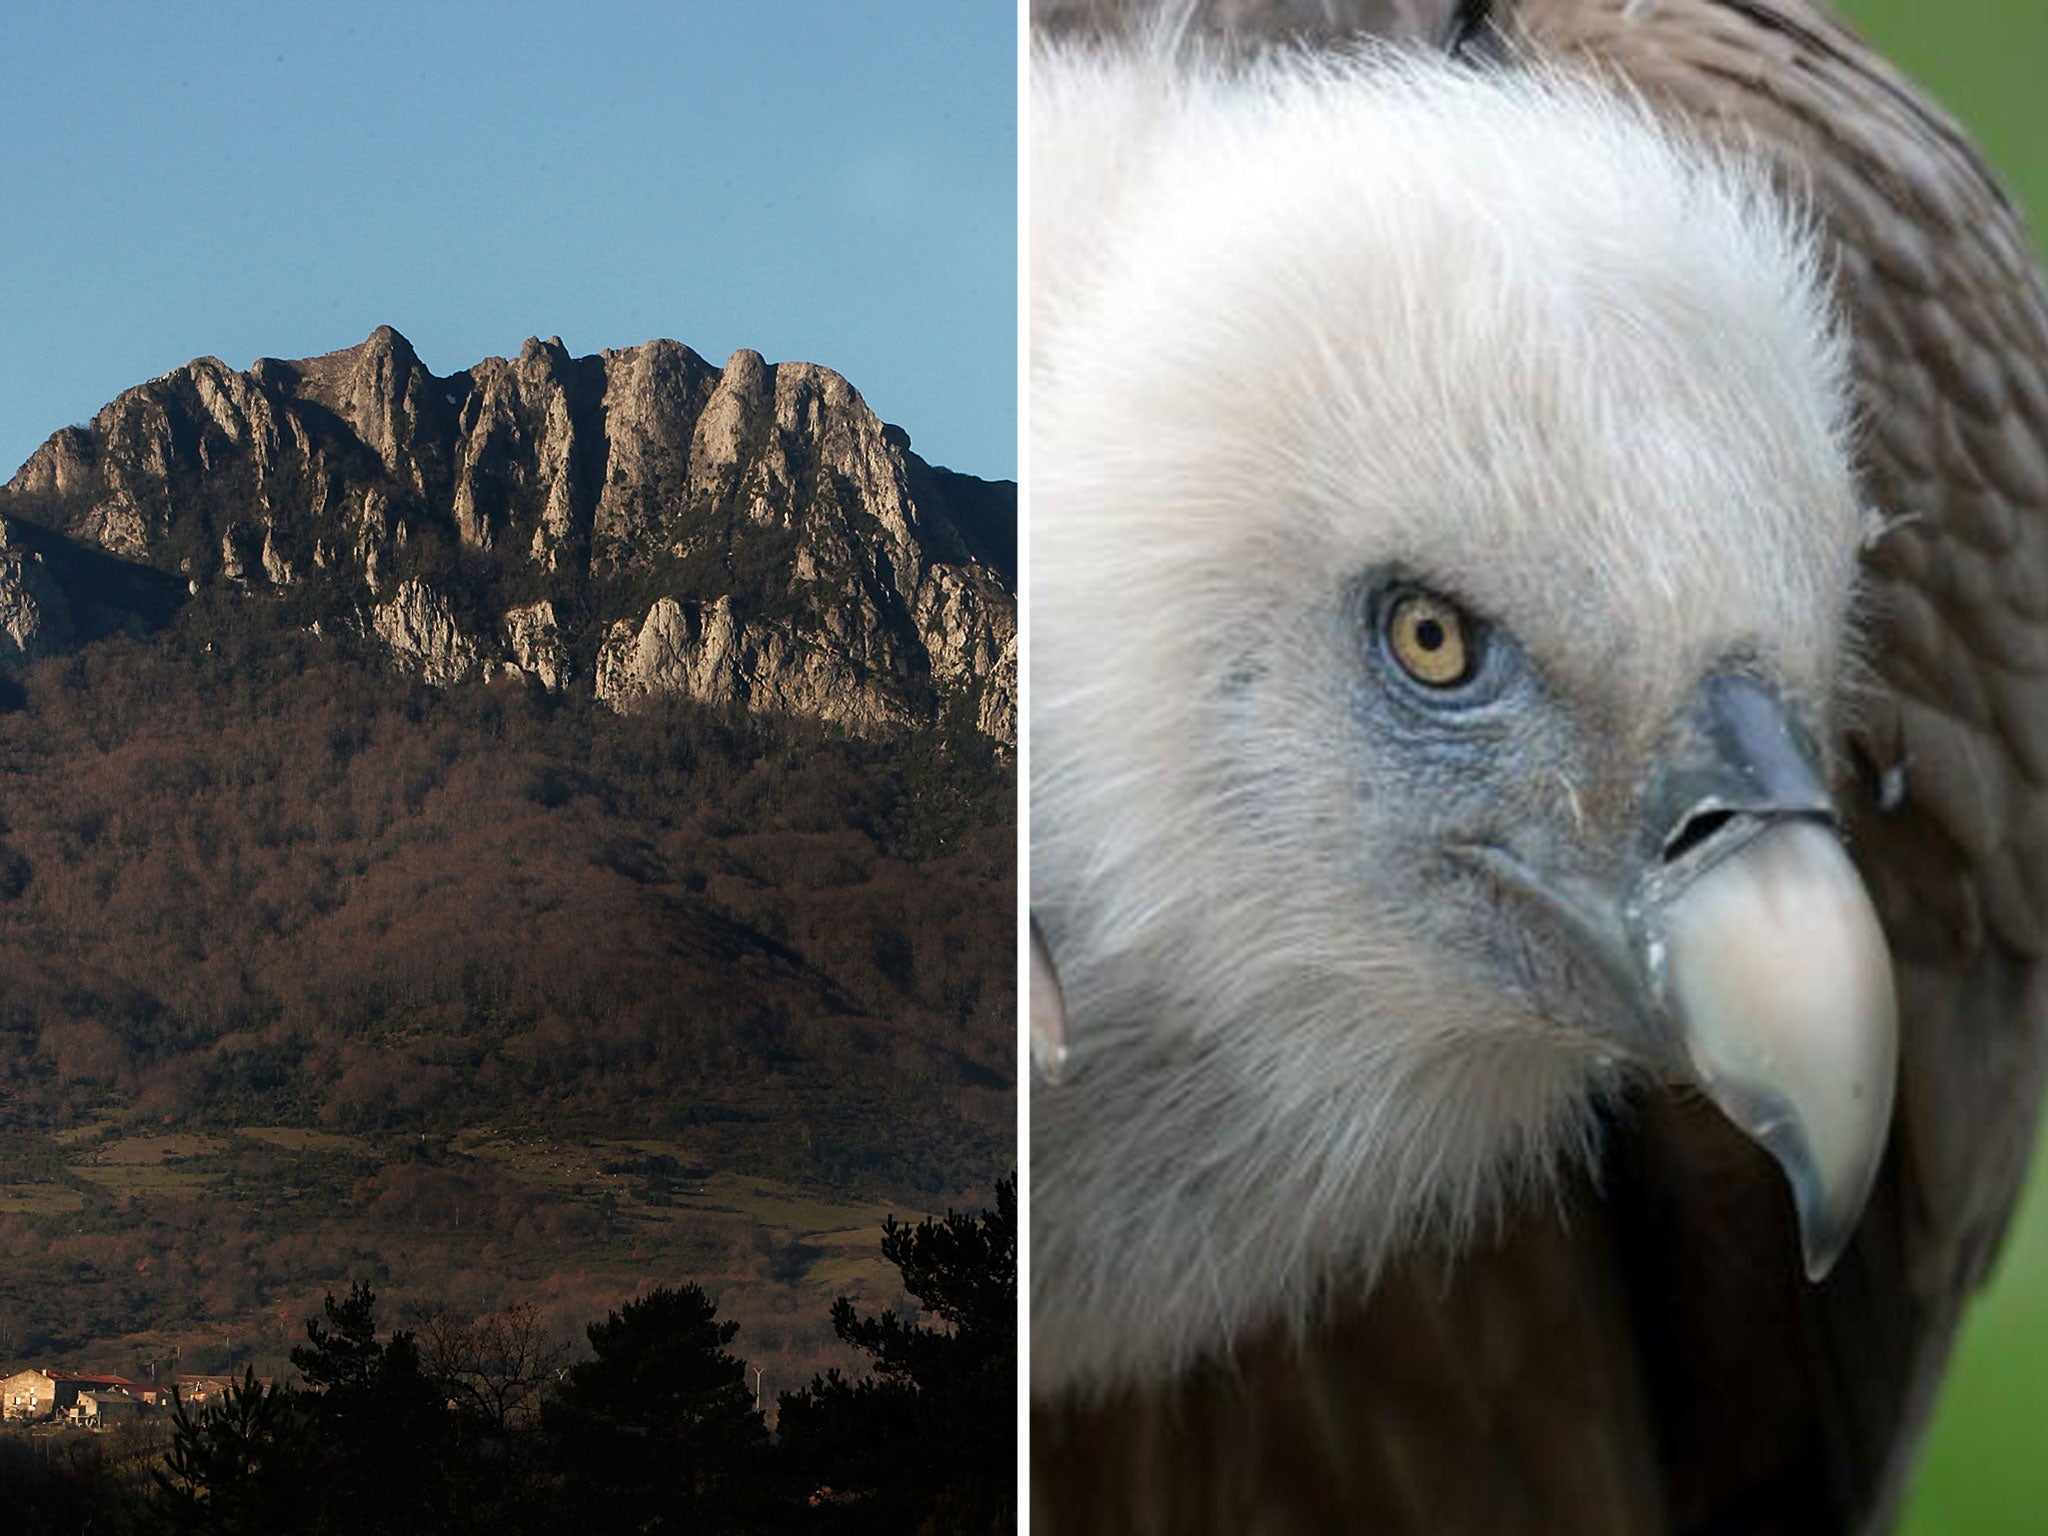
(39, 1394)
(30, 1394)
(198, 1391)
(104, 1407)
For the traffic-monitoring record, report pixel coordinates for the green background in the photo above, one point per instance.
(1985, 1466)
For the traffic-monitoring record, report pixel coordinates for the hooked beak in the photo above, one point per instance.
(1746, 945)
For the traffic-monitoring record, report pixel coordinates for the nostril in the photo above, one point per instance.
(1696, 829)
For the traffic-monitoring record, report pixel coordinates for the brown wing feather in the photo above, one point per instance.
(1691, 1384)
(1949, 817)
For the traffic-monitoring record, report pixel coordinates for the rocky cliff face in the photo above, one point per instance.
(635, 524)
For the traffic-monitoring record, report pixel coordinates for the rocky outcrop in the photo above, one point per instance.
(637, 524)
(535, 640)
(704, 652)
(35, 619)
(423, 635)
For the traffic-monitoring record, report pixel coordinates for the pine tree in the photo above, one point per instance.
(660, 1425)
(927, 1440)
(385, 1437)
(239, 1467)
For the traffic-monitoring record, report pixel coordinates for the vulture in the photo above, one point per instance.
(1538, 731)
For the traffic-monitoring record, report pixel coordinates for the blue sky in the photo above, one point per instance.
(832, 181)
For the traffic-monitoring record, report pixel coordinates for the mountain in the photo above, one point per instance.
(523, 836)
(629, 525)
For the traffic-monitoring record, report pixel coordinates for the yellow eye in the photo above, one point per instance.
(1430, 639)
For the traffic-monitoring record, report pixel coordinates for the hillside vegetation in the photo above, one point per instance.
(311, 974)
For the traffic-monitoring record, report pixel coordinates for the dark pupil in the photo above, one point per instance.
(1429, 634)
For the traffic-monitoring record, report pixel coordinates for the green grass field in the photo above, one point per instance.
(1985, 1467)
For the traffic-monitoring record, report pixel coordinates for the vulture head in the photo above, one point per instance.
(1444, 548)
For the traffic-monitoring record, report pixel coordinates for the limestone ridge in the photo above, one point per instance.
(636, 523)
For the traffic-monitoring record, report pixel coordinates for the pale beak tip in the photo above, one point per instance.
(1825, 1227)
(1822, 1251)
(1783, 984)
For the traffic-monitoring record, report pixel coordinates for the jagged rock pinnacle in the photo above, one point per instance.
(635, 523)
